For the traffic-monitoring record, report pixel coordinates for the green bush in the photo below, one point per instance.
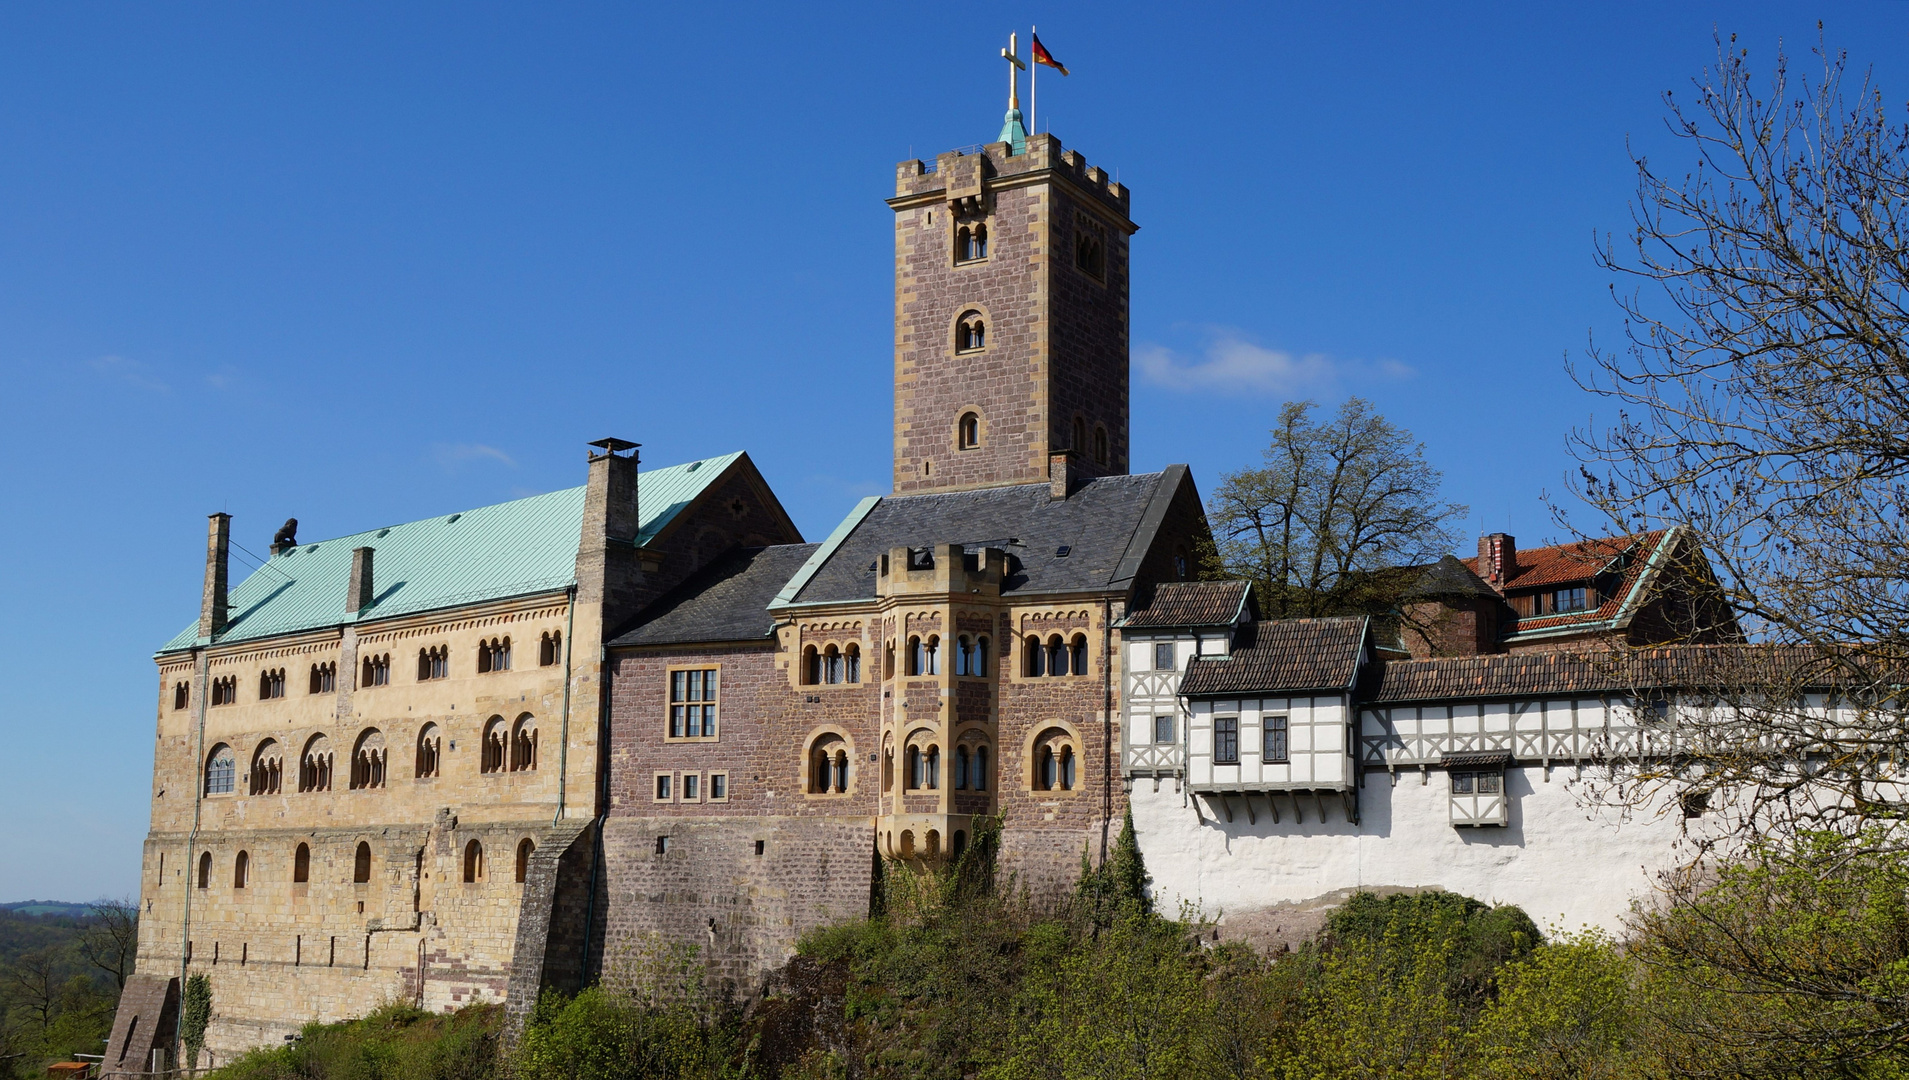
(396, 1042)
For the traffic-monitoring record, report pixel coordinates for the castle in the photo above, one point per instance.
(469, 757)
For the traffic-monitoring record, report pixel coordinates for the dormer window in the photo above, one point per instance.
(1563, 601)
(970, 333)
(971, 243)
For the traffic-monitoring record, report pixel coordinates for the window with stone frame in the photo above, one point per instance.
(493, 655)
(971, 655)
(225, 690)
(324, 679)
(430, 751)
(434, 662)
(376, 670)
(267, 775)
(693, 702)
(719, 787)
(971, 242)
(523, 744)
(971, 332)
(271, 684)
(221, 771)
(968, 431)
(494, 751)
(1055, 761)
(1100, 445)
(550, 649)
(1079, 445)
(181, 694)
(1090, 247)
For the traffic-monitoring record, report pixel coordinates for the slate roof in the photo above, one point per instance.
(727, 600)
(1283, 656)
(1106, 525)
(1684, 667)
(1192, 603)
(1449, 578)
(514, 548)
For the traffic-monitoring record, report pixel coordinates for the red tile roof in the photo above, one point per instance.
(1283, 656)
(1192, 603)
(1569, 564)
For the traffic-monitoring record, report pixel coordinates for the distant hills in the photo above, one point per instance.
(47, 907)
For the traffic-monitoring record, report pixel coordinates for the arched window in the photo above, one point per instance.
(811, 666)
(302, 864)
(1057, 655)
(550, 649)
(1054, 761)
(523, 744)
(1077, 663)
(220, 770)
(979, 777)
(493, 655)
(931, 655)
(495, 751)
(271, 684)
(841, 771)
(1067, 768)
(1100, 445)
(361, 864)
(852, 663)
(205, 869)
(1034, 660)
(368, 760)
(931, 765)
(961, 768)
(980, 664)
(473, 861)
(1089, 255)
(268, 768)
(917, 659)
(888, 770)
(828, 765)
(968, 431)
(832, 665)
(1080, 436)
(314, 765)
(819, 771)
(1048, 775)
(241, 870)
(377, 670)
(980, 247)
(963, 649)
(433, 663)
(1180, 566)
(524, 850)
(914, 768)
(970, 332)
(324, 678)
(964, 241)
(888, 659)
(430, 751)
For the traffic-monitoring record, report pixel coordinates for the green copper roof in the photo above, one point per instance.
(511, 549)
(1013, 132)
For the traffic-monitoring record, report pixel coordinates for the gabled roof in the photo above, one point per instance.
(1449, 578)
(1283, 656)
(727, 600)
(1192, 603)
(1106, 525)
(1597, 671)
(516, 548)
(1637, 560)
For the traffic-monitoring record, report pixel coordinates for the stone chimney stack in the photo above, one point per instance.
(608, 572)
(1060, 473)
(359, 593)
(1497, 559)
(212, 602)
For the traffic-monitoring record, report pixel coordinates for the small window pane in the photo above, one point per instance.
(690, 783)
(1226, 740)
(1163, 729)
(662, 787)
(1274, 749)
(1461, 783)
(1490, 783)
(676, 721)
(719, 785)
(676, 683)
(1163, 656)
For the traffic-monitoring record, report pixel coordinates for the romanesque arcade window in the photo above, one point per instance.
(1057, 656)
(832, 665)
(971, 768)
(324, 678)
(828, 766)
(924, 655)
(361, 864)
(550, 650)
(496, 746)
(971, 334)
(1090, 251)
(1055, 761)
(524, 850)
(271, 684)
(523, 744)
(493, 655)
(268, 769)
(971, 655)
(971, 243)
(430, 751)
(692, 703)
(376, 670)
(181, 694)
(221, 768)
(368, 758)
(225, 690)
(434, 663)
(314, 765)
(473, 862)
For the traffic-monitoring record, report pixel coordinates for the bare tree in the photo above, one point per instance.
(33, 984)
(1339, 505)
(110, 939)
(1762, 399)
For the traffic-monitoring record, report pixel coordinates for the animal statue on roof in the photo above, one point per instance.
(286, 536)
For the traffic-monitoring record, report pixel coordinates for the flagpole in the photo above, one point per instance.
(1033, 78)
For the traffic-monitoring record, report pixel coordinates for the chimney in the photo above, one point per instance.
(1060, 473)
(212, 602)
(358, 594)
(1497, 559)
(607, 569)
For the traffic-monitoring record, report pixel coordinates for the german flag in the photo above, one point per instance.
(1042, 56)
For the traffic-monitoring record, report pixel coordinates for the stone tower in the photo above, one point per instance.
(1010, 318)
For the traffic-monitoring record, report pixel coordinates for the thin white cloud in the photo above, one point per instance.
(131, 372)
(452, 455)
(1232, 364)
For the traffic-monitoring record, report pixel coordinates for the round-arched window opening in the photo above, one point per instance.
(302, 864)
(473, 862)
(1100, 445)
(361, 864)
(221, 770)
(205, 869)
(968, 431)
(524, 850)
(1035, 657)
(971, 333)
(241, 870)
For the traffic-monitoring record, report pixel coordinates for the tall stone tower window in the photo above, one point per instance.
(524, 849)
(1080, 436)
(971, 243)
(181, 693)
(971, 333)
(1090, 249)
(302, 865)
(242, 870)
(968, 431)
(430, 747)
(268, 768)
(1100, 445)
(205, 869)
(361, 864)
(220, 770)
(473, 862)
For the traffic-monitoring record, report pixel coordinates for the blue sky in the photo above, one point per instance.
(362, 264)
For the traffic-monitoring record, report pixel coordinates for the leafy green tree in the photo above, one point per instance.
(195, 1012)
(1569, 1010)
